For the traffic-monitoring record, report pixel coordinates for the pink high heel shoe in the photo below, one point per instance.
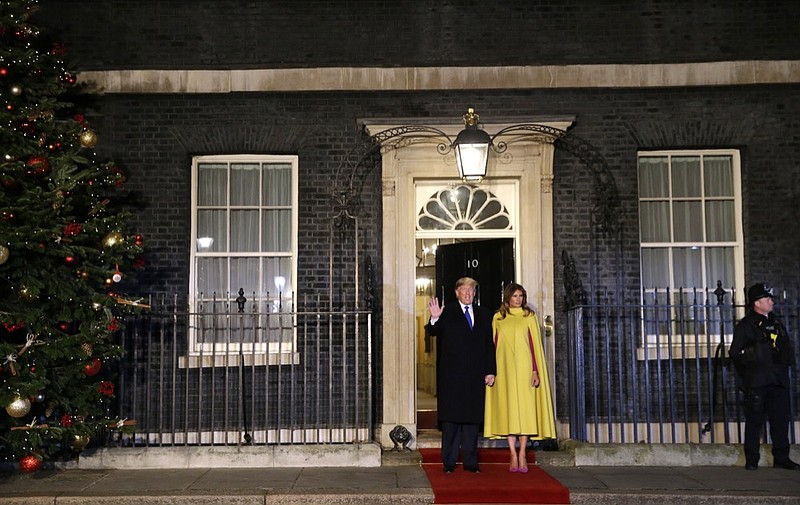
(524, 469)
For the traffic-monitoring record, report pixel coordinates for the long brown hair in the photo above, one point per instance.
(508, 292)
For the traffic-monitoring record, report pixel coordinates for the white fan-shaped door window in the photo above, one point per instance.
(463, 208)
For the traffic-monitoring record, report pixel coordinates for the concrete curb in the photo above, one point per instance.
(423, 496)
(269, 456)
(676, 498)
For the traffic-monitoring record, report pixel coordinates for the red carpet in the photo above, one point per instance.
(494, 483)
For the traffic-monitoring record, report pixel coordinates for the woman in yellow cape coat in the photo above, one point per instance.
(519, 404)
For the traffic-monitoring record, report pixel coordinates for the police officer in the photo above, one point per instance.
(762, 354)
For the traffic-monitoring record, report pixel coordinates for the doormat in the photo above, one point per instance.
(494, 483)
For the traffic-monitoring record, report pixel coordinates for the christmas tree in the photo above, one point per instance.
(63, 250)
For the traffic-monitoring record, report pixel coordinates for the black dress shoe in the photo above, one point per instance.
(473, 469)
(750, 467)
(787, 465)
(449, 469)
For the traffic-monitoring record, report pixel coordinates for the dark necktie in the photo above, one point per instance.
(466, 313)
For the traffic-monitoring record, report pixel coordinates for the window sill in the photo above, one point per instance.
(665, 352)
(195, 360)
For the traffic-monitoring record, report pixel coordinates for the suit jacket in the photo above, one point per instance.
(464, 357)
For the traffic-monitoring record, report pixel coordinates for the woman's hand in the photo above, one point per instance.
(535, 379)
(489, 380)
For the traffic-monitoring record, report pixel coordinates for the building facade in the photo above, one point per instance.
(249, 121)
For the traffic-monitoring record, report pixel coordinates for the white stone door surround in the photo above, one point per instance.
(528, 160)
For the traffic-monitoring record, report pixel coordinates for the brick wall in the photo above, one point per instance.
(290, 33)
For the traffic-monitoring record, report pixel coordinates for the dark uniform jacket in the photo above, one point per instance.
(464, 357)
(762, 351)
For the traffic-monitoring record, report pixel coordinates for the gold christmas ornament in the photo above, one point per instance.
(88, 139)
(112, 239)
(4, 253)
(19, 407)
(80, 442)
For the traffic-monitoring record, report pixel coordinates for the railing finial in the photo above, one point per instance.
(720, 292)
(241, 300)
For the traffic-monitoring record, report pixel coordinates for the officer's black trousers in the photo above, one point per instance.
(773, 404)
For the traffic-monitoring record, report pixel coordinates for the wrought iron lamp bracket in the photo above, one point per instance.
(348, 179)
(530, 131)
(349, 176)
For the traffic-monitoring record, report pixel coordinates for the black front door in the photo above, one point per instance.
(490, 262)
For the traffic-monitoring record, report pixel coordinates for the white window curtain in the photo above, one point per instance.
(687, 218)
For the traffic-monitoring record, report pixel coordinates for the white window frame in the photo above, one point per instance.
(656, 344)
(258, 353)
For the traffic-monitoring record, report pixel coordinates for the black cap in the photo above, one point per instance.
(759, 291)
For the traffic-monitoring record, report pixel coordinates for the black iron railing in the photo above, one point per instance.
(657, 370)
(260, 376)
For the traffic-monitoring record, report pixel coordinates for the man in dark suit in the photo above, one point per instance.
(465, 364)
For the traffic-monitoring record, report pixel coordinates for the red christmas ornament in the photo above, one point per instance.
(63, 326)
(30, 464)
(3, 71)
(138, 240)
(92, 367)
(66, 421)
(106, 388)
(72, 229)
(71, 261)
(27, 127)
(38, 164)
(12, 327)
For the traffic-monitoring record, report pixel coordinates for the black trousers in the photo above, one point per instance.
(462, 436)
(762, 403)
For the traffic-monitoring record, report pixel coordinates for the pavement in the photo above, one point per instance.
(399, 479)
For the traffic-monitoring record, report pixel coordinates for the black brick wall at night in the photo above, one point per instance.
(154, 136)
(291, 33)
